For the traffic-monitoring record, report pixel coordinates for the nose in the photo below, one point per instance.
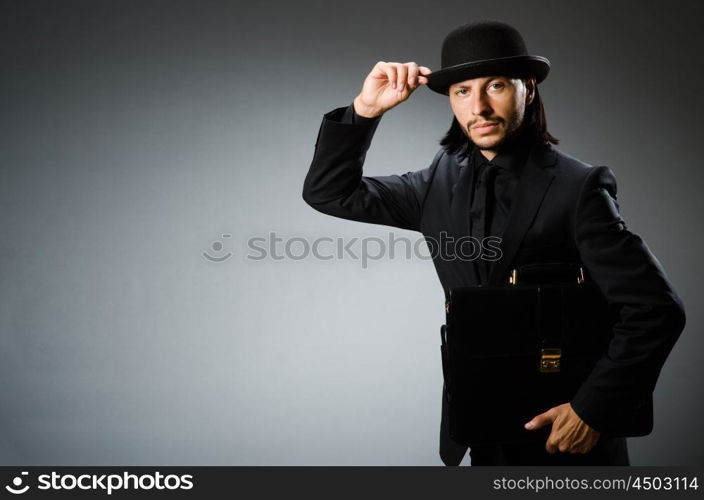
(479, 104)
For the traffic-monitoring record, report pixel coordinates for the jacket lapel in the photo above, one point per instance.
(532, 186)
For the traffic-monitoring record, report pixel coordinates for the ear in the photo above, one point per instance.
(530, 90)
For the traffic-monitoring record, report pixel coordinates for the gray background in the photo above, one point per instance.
(136, 134)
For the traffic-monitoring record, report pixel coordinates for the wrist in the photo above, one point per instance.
(365, 111)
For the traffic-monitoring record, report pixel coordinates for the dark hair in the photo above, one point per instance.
(534, 127)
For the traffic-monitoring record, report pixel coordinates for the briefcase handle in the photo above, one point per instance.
(543, 272)
(540, 273)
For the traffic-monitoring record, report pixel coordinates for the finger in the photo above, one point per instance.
(423, 70)
(551, 445)
(412, 75)
(390, 71)
(541, 420)
(586, 445)
(401, 76)
(379, 70)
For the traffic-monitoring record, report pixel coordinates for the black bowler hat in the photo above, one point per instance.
(485, 48)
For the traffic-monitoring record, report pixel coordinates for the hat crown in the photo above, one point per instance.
(485, 48)
(481, 41)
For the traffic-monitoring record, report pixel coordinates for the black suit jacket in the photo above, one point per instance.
(563, 210)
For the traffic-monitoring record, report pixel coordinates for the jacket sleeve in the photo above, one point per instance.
(651, 315)
(335, 184)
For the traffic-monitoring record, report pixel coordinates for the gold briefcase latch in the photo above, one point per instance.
(550, 360)
(513, 277)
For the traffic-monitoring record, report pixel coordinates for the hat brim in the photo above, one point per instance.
(515, 67)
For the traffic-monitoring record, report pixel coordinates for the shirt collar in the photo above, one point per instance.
(511, 159)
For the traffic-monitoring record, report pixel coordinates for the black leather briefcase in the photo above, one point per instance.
(512, 352)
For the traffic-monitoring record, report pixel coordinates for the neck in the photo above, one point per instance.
(489, 154)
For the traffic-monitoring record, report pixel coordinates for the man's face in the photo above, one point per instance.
(490, 109)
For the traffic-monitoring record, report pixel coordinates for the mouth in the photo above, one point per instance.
(485, 127)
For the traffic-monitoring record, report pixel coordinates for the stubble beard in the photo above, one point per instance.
(511, 128)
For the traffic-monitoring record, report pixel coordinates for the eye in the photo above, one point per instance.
(461, 91)
(496, 85)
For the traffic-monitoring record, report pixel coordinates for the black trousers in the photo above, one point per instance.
(607, 451)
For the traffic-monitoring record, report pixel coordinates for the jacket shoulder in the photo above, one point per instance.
(570, 165)
(580, 173)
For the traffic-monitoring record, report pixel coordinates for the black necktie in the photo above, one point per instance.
(480, 211)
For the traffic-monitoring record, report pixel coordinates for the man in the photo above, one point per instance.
(498, 174)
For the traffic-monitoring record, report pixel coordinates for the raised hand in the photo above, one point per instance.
(387, 85)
